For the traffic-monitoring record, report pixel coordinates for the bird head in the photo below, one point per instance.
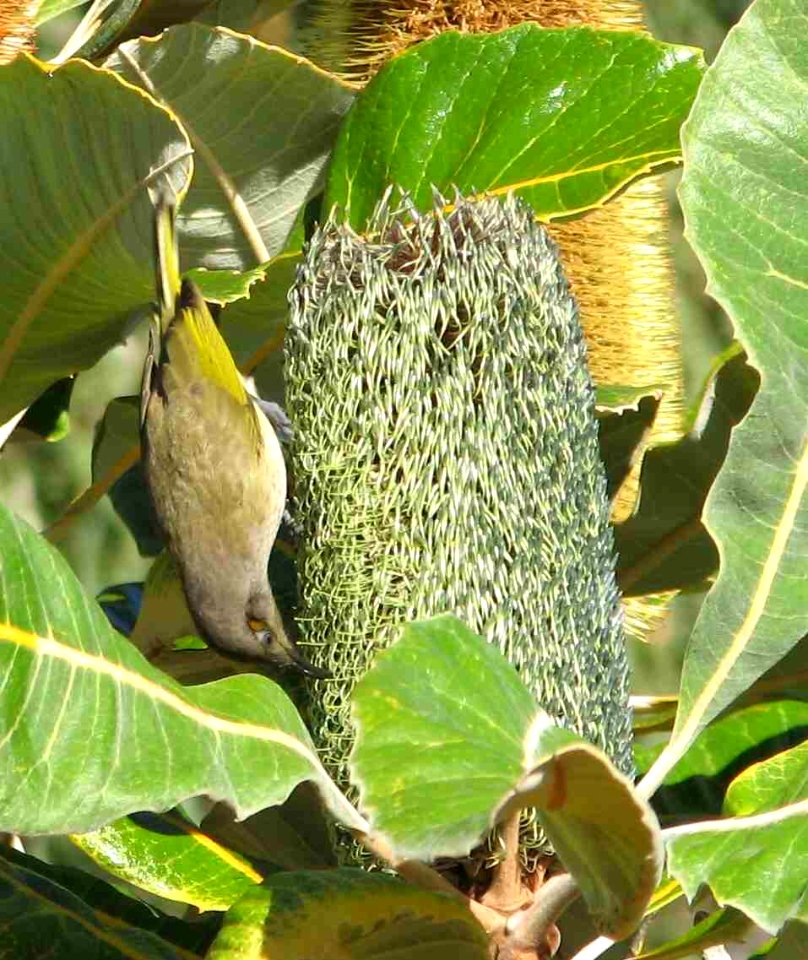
(271, 638)
(244, 625)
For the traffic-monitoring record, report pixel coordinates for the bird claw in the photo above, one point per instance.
(276, 415)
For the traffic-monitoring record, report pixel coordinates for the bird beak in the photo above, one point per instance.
(309, 670)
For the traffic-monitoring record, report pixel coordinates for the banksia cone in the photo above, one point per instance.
(616, 257)
(446, 459)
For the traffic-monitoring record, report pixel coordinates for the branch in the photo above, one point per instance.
(529, 929)
(506, 892)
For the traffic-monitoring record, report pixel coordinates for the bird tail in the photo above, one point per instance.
(166, 255)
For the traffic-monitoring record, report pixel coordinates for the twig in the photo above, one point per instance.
(506, 892)
(528, 929)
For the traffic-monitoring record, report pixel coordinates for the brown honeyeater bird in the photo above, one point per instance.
(214, 468)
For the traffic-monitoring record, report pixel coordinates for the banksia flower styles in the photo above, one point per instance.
(446, 459)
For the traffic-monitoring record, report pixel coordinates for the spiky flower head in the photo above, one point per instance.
(446, 459)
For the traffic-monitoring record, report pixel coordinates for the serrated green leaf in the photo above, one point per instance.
(664, 545)
(254, 329)
(558, 116)
(756, 864)
(347, 915)
(76, 239)
(168, 857)
(772, 783)
(225, 286)
(437, 766)
(745, 213)
(78, 696)
(41, 918)
(258, 155)
(441, 800)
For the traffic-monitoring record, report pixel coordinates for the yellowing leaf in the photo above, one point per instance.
(347, 915)
(167, 856)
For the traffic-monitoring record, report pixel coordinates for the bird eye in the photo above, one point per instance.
(257, 626)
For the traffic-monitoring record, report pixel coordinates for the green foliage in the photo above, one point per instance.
(48, 9)
(246, 191)
(448, 739)
(461, 764)
(772, 783)
(737, 147)
(453, 774)
(722, 855)
(88, 264)
(696, 784)
(166, 856)
(140, 740)
(37, 912)
(722, 926)
(481, 102)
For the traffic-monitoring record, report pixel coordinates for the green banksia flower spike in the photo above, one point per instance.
(446, 459)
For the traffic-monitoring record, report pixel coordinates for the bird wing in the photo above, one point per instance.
(168, 285)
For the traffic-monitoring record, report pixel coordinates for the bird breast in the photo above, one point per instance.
(217, 475)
